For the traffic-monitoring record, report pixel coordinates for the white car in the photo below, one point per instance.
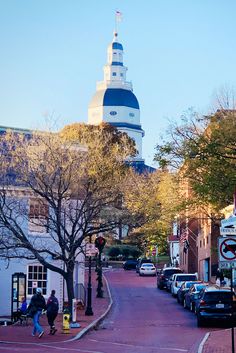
(179, 278)
(147, 269)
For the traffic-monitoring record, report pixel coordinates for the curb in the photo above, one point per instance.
(201, 345)
(96, 322)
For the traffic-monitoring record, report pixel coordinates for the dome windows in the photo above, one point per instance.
(113, 112)
(131, 115)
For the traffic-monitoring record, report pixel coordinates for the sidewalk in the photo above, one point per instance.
(218, 342)
(22, 333)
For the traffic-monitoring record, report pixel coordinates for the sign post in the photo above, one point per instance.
(227, 259)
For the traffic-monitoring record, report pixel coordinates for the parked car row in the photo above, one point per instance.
(208, 302)
(143, 266)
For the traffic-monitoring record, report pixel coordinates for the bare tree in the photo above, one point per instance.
(75, 187)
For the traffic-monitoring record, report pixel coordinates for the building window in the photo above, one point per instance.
(37, 277)
(121, 74)
(200, 243)
(113, 73)
(38, 216)
(207, 239)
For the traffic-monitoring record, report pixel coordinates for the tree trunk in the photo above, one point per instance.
(70, 289)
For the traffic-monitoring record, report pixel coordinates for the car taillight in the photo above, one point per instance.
(202, 302)
(162, 276)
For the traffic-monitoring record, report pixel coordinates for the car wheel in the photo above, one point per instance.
(199, 321)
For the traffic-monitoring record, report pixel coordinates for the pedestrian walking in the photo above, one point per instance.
(220, 277)
(52, 311)
(36, 306)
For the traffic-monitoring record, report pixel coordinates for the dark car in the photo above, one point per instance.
(192, 295)
(165, 274)
(141, 261)
(184, 288)
(130, 264)
(169, 282)
(214, 303)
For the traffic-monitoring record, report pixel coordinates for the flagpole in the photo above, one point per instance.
(116, 21)
(118, 18)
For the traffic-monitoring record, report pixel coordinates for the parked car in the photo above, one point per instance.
(142, 261)
(130, 264)
(184, 288)
(214, 303)
(147, 269)
(192, 295)
(179, 279)
(165, 274)
(169, 282)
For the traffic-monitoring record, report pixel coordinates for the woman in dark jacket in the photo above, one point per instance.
(36, 306)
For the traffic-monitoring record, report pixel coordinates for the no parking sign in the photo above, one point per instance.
(227, 251)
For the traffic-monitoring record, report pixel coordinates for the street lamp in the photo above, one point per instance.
(99, 243)
(89, 310)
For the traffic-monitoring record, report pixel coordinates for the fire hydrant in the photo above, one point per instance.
(66, 321)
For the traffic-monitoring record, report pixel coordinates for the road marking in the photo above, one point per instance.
(201, 345)
(50, 346)
(137, 346)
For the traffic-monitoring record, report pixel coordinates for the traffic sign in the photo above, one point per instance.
(227, 231)
(227, 249)
(90, 249)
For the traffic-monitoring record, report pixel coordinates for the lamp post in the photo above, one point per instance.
(89, 310)
(99, 243)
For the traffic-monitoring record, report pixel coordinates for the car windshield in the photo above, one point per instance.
(200, 286)
(142, 261)
(217, 296)
(171, 271)
(188, 284)
(185, 278)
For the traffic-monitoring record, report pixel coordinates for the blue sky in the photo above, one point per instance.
(178, 53)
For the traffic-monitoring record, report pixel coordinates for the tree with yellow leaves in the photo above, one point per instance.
(76, 176)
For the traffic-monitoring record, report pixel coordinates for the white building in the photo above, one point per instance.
(114, 101)
(20, 277)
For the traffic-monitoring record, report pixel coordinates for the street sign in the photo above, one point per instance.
(90, 249)
(227, 231)
(229, 222)
(227, 265)
(227, 251)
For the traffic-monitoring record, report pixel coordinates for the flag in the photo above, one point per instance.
(118, 16)
(183, 236)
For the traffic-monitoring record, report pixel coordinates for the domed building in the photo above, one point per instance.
(115, 103)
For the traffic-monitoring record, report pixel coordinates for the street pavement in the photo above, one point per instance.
(217, 341)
